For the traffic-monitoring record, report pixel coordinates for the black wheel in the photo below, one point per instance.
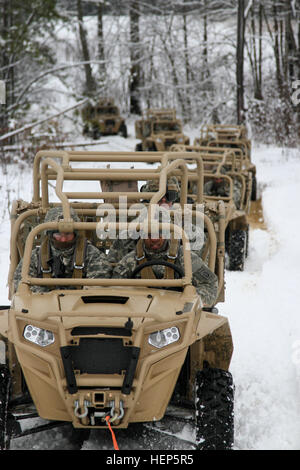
(75, 437)
(5, 382)
(151, 148)
(237, 248)
(9, 426)
(247, 241)
(96, 134)
(139, 147)
(123, 131)
(214, 396)
(254, 189)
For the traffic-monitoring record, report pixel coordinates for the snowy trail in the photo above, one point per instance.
(262, 304)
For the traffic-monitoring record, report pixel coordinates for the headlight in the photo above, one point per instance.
(38, 335)
(159, 140)
(180, 139)
(162, 338)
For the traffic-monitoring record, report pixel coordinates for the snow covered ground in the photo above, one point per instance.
(262, 304)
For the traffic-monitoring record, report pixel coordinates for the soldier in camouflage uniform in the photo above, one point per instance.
(205, 281)
(121, 246)
(220, 187)
(172, 194)
(61, 262)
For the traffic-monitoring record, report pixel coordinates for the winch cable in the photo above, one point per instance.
(116, 447)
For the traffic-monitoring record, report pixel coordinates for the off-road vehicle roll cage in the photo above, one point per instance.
(230, 136)
(228, 132)
(103, 118)
(166, 114)
(236, 212)
(101, 359)
(214, 159)
(158, 130)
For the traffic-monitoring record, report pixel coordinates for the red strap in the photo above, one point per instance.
(116, 447)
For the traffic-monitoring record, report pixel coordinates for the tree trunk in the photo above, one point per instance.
(255, 52)
(279, 76)
(240, 61)
(260, 53)
(178, 88)
(90, 84)
(291, 48)
(187, 63)
(299, 46)
(6, 19)
(298, 63)
(135, 71)
(205, 74)
(101, 52)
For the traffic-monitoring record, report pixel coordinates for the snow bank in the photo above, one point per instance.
(263, 308)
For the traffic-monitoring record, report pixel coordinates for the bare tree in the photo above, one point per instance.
(101, 51)
(254, 47)
(240, 61)
(135, 69)
(24, 50)
(90, 84)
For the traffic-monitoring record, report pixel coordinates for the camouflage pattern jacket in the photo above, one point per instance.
(124, 244)
(223, 190)
(205, 281)
(121, 247)
(95, 265)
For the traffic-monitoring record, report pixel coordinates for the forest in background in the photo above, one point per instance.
(229, 62)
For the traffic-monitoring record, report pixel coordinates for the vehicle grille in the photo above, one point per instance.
(100, 356)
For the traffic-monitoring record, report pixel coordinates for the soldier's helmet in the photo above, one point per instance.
(222, 170)
(217, 182)
(55, 214)
(173, 188)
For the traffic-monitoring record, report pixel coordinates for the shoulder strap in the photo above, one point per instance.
(79, 257)
(172, 256)
(146, 273)
(44, 270)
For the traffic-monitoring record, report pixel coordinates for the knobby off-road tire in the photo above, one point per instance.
(214, 399)
(237, 250)
(95, 134)
(75, 437)
(5, 382)
(123, 131)
(247, 241)
(151, 148)
(254, 189)
(139, 147)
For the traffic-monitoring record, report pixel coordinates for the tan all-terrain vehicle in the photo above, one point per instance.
(226, 180)
(103, 118)
(159, 130)
(95, 352)
(228, 132)
(234, 137)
